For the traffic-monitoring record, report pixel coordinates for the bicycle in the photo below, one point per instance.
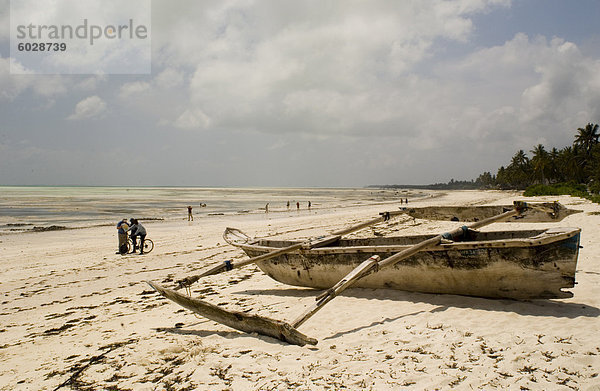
(148, 245)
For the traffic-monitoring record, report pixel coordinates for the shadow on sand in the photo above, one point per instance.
(555, 308)
(543, 308)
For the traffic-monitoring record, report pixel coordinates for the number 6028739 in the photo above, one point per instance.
(42, 46)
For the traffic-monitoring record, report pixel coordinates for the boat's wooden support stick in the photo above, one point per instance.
(373, 265)
(307, 244)
(332, 292)
(384, 216)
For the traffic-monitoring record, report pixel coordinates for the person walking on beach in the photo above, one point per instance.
(298, 205)
(267, 208)
(137, 229)
(190, 217)
(309, 204)
(288, 205)
(122, 228)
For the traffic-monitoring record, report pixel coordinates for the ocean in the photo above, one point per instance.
(26, 208)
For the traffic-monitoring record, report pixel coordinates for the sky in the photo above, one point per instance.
(338, 93)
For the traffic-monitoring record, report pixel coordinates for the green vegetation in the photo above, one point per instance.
(573, 170)
(570, 188)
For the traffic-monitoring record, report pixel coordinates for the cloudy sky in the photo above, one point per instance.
(311, 93)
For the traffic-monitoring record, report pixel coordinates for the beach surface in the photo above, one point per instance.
(75, 315)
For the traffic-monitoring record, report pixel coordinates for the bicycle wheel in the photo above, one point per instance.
(129, 245)
(148, 245)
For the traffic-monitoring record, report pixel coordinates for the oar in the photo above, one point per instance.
(287, 332)
(307, 244)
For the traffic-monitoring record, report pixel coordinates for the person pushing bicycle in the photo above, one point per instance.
(137, 229)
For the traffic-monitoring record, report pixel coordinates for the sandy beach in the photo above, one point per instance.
(75, 315)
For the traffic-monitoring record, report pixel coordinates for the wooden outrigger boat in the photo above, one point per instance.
(503, 264)
(546, 212)
(513, 264)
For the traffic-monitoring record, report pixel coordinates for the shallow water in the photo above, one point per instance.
(23, 208)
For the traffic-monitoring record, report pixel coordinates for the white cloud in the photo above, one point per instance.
(133, 88)
(169, 78)
(90, 107)
(192, 119)
(338, 69)
(10, 85)
(46, 86)
(91, 83)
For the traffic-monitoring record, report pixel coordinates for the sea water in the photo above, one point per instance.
(24, 208)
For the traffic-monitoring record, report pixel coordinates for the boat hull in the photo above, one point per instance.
(516, 264)
(545, 213)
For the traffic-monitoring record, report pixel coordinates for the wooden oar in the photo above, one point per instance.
(307, 244)
(287, 332)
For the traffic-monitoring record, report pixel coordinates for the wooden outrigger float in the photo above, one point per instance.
(546, 212)
(446, 252)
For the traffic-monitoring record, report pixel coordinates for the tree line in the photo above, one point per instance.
(578, 163)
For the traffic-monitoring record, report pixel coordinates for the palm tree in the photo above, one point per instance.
(540, 162)
(568, 165)
(518, 172)
(520, 159)
(587, 138)
(553, 174)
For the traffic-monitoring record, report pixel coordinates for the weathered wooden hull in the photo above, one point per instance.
(547, 212)
(505, 264)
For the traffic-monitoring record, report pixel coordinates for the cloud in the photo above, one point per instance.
(252, 60)
(548, 86)
(133, 88)
(375, 91)
(94, 52)
(192, 119)
(90, 107)
(169, 78)
(91, 83)
(13, 85)
(367, 72)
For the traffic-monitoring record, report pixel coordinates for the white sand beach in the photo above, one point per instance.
(75, 315)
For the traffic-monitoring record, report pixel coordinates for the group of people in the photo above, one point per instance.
(134, 229)
(288, 206)
(298, 205)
